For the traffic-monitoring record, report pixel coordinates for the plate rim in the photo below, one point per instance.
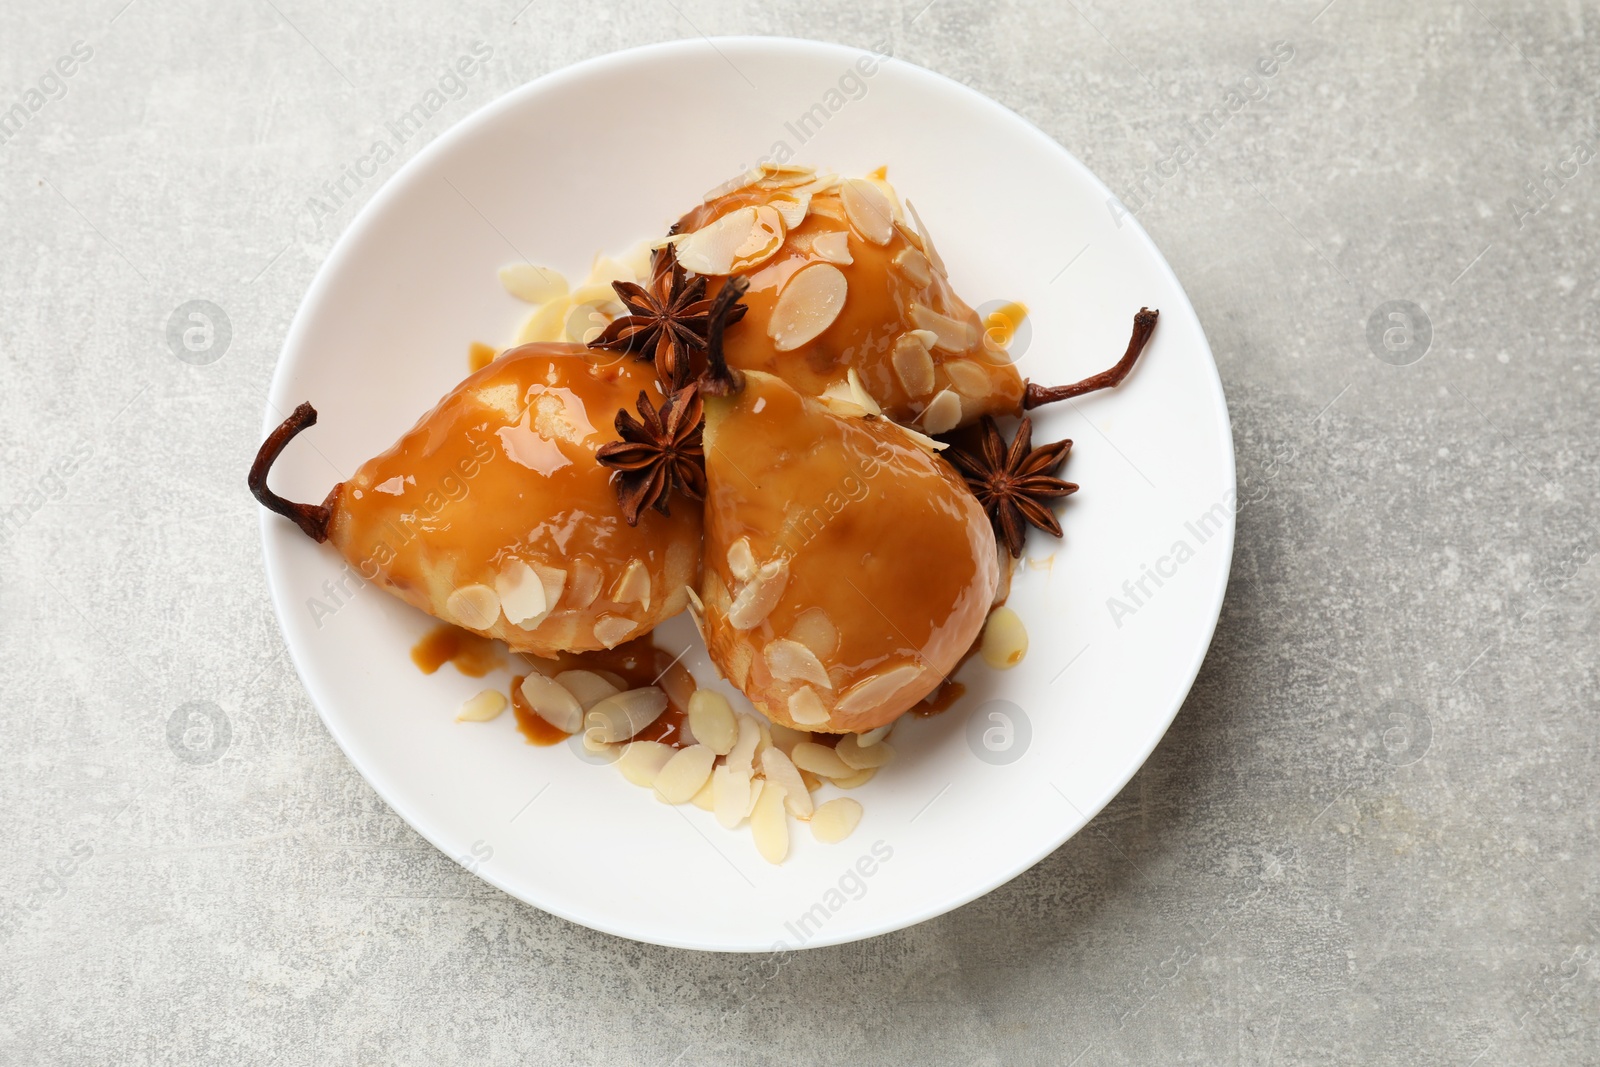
(441, 145)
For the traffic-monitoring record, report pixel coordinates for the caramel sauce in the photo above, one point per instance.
(480, 355)
(472, 655)
(503, 470)
(530, 725)
(881, 536)
(876, 311)
(941, 699)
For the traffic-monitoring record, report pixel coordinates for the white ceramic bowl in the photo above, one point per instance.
(976, 795)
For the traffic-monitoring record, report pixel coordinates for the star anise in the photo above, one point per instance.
(669, 320)
(1014, 484)
(660, 451)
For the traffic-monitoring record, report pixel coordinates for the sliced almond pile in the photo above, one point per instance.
(482, 707)
(1005, 639)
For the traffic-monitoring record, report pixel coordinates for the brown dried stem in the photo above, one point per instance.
(1144, 324)
(312, 518)
(721, 379)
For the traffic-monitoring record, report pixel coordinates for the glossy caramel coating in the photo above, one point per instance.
(501, 475)
(889, 565)
(886, 282)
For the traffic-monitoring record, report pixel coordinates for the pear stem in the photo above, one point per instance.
(312, 518)
(721, 379)
(1144, 324)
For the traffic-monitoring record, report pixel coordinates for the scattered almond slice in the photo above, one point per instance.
(915, 266)
(742, 561)
(820, 760)
(712, 721)
(833, 247)
(922, 440)
(859, 778)
(791, 209)
(969, 378)
(858, 757)
(552, 702)
(612, 630)
(534, 285)
(816, 631)
(872, 737)
(769, 824)
(680, 688)
(682, 776)
(482, 707)
(704, 798)
(1005, 639)
(477, 607)
(791, 661)
(697, 611)
(713, 248)
(912, 364)
(943, 412)
(586, 582)
(619, 717)
(950, 335)
(806, 708)
(926, 241)
(587, 687)
(521, 593)
(841, 400)
(757, 599)
(783, 175)
(878, 688)
(807, 305)
(730, 795)
(765, 238)
(733, 185)
(548, 323)
(785, 738)
(868, 210)
(742, 755)
(642, 761)
(836, 820)
(859, 394)
(780, 770)
(633, 586)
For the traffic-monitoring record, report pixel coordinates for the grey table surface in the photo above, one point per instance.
(1369, 836)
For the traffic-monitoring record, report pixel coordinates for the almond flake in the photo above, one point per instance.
(612, 630)
(743, 752)
(1005, 639)
(868, 210)
(534, 285)
(734, 184)
(757, 599)
(809, 302)
(587, 687)
(763, 242)
(950, 335)
(683, 775)
(857, 779)
(833, 247)
(586, 582)
(868, 694)
(784, 738)
(912, 364)
(806, 708)
(779, 769)
(783, 175)
(623, 715)
(769, 824)
(969, 378)
(521, 594)
(548, 323)
(922, 440)
(641, 761)
(483, 707)
(703, 799)
(791, 209)
(943, 412)
(859, 394)
(816, 631)
(821, 760)
(553, 702)
(915, 266)
(477, 607)
(633, 587)
(713, 248)
(836, 820)
(872, 737)
(697, 612)
(730, 795)
(790, 661)
(850, 751)
(927, 242)
(711, 721)
(742, 561)
(840, 400)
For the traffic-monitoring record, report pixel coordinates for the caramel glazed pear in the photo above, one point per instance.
(853, 354)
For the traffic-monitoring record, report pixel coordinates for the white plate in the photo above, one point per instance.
(545, 172)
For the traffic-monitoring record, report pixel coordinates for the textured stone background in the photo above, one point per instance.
(1369, 837)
